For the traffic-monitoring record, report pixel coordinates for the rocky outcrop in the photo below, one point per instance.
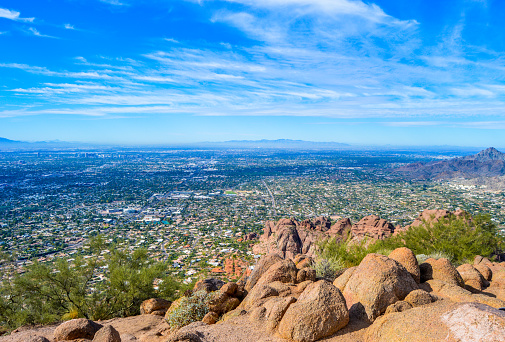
(456, 293)
(261, 267)
(155, 306)
(373, 227)
(485, 271)
(375, 284)
(440, 321)
(289, 237)
(440, 269)
(408, 260)
(76, 328)
(208, 285)
(320, 311)
(474, 281)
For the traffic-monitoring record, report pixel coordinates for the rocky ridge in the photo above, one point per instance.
(487, 163)
(290, 237)
(384, 298)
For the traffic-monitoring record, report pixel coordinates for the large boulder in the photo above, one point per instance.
(442, 321)
(377, 283)
(221, 303)
(484, 270)
(257, 296)
(157, 306)
(284, 271)
(342, 280)
(76, 328)
(208, 285)
(440, 269)
(420, 297)
(408, 260)
(261, 267)
(107, 334)
(474, 281)
(305, 274)
(319, 312)
(458, 294)
(271, 313)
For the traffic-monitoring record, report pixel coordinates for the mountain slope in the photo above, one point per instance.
(487, 163)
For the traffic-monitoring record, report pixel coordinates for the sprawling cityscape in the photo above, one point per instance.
(196, 209)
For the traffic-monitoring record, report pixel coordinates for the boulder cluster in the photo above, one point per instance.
(290, 237)
(391, 298)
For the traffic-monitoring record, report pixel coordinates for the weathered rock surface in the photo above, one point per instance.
(408, 260)
(261, 267)
(459, 294)
(271, 313)
(154, 306)
(304, 274)
(210, 318)
(440, 321)
(372, 226)
(107, 334)
(284, 271)
(440, 269)
(474, 281)
(342, 280)
(208, 285)
(419, 297)
(377, 283)
(289, 237)
(485, 271)
(319, 312)
(76, 328)
(399, 306)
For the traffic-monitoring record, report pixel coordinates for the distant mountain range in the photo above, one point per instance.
(487, 163)
(279, 143)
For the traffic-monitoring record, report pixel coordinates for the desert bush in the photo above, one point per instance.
(327, 268)
(189, 309)
(47, 293)
(457, 239)
(434, 255)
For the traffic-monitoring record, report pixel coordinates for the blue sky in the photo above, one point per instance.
(416, 72)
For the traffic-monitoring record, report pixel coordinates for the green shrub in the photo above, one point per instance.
(434, 255)
(46, 293)
(189, 309)
(327, 268)
(457, 239)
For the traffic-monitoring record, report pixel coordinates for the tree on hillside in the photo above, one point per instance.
(50, 292)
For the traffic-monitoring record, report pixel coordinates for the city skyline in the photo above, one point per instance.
(162, 72)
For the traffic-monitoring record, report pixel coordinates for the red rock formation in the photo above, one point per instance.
(288, 237)
(372, 226)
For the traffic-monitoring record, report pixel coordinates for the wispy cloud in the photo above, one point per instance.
(69, 27)
(13, 15)
(113, 2)
(36, 32)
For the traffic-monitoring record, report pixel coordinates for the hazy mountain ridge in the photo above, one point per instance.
(487, 163)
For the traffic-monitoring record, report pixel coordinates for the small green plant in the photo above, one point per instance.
(434, 255)
(327, 268)
(189, 309)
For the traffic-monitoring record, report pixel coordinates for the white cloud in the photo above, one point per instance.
(36, 32)
(113, 2)
(69, 27)
(171, 40)
(13, 15)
